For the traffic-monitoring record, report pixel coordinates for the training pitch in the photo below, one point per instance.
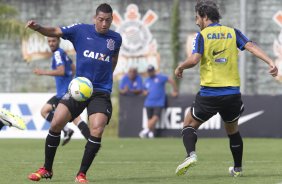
(130, 161)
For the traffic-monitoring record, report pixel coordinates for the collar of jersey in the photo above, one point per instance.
(214, 24)
(56, 50)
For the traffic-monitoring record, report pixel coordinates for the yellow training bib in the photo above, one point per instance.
(219, 63)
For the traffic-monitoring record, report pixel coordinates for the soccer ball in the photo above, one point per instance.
(80, 89)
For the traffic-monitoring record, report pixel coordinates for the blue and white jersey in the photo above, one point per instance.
(136, 84)
(62, 82)
(156, 91)
(94, 52)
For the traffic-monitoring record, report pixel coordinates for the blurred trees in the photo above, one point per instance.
(10, 26)
(175, 44)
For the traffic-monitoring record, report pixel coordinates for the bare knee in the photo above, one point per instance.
(190, 121)
(98, 122)
(97, 131)
(231, 128)
(44, 113)
(231, 131)
(77, 120)
(61, 117)
(55, 128)
(46, 109)
(57, 125)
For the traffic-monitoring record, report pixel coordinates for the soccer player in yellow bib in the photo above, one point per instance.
(215, 48)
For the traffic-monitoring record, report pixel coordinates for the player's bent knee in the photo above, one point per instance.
(231, 131)
(46, 109)
(231, 128)
(57, 126)
(97, 132)
(55, 129)
(190, 121)
(44, 113)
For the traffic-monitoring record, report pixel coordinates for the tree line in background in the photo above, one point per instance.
(10, 26)
(175, 43)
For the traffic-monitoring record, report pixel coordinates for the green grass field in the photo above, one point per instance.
(130, 161)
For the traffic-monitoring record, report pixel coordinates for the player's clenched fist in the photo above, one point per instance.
(273, 70)
(178, 72)
(32, 25)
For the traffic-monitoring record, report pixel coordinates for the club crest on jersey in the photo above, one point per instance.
(110, 44)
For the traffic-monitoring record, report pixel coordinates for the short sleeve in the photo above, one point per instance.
(68, 59)
(164, 78)
(198, 44)
(118, 44)
(69, 32)
(241, 39)
(58, 58)
(139, 82)
(146, 84)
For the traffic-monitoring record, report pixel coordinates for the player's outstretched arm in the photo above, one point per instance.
(60, 71)
(190, 62)
(46, 31)
(258, 52)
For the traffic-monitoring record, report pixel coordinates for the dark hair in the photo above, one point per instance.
(58, 38)
(105, 8)
(208, 8)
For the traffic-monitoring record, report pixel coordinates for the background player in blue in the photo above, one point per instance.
(131, 83)
(63, 70)
(154, 89)
(97, 48)
(216, 48)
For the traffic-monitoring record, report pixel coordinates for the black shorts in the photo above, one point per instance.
(151, 111)
(54, 101)
(230, 107)
(99, 102)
